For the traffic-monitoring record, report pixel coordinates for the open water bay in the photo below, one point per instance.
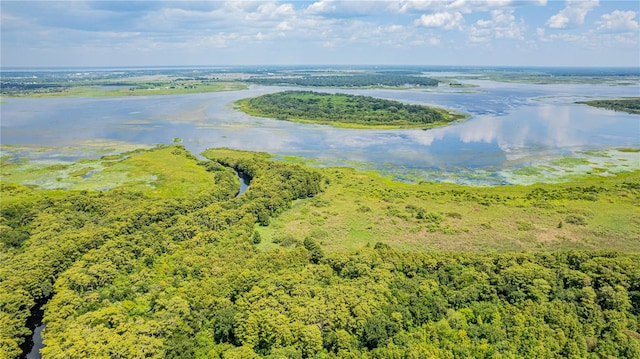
(512, 126)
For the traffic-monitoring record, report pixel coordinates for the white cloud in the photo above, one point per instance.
(618, 21)
(540, 32)
(419, 5)
(346, 9)
(289, 31)
(271, 11)
(463, 6)
(445, 20)
(574, 13)
(284, 26)
(503, 25)
(468, 6)
(322, 7)
(394, 28)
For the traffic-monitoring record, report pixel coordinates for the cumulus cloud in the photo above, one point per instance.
(503, 25)
(463, 6)
(288, 31)
(271, 11)
(284, 26)
(618, 21)
(416, 5)
(346, 9)
(323, 6)
(445, 20)
(574, 13)
(469, 6)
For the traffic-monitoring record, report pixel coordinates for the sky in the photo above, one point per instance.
(324, 32)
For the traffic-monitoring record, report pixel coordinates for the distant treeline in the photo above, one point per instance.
(364, 80)
(308, 106)
(630, 105)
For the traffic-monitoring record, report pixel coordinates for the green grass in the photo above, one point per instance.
(146, 89)
(358, 209)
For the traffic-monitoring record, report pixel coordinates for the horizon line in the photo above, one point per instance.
(311, 65)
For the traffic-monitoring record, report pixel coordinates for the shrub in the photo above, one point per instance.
(525, 226)
(576, 219)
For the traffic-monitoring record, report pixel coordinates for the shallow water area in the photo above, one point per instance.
(513, 126)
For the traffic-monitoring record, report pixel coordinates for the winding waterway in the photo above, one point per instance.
(511, 125)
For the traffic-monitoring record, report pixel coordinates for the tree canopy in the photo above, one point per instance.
(345, 110)
(146, 276)
(630, 105)
(392, 79)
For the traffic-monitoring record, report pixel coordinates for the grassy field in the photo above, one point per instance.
(135, 89)
(359, 209)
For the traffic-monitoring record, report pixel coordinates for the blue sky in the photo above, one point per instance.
(429, 32)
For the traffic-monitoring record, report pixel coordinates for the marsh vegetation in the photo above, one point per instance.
(347, 80)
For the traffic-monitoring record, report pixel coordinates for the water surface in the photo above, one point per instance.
(511, 125)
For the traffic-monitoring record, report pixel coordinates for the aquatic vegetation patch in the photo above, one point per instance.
(570, 161)
(603, 163)
(582, 164)
(149, 171)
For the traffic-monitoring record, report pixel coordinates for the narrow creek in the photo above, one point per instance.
(32, 345)
(245, 181)
(37, 343)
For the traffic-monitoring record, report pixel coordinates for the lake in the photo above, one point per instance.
(513, 126)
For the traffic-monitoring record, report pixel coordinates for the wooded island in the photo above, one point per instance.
(630, 105)
(344, 110)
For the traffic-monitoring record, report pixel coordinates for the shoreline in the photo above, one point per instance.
(86, 170)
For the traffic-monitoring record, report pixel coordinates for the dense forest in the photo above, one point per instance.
(149, 273)
(344, 110)
(391, 79)
(630, 105)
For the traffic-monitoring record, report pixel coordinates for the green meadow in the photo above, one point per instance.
(131, 88)
(359, 209)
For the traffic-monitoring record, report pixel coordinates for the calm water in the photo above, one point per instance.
(510, 124)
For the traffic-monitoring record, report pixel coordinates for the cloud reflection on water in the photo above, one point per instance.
(510, 124)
